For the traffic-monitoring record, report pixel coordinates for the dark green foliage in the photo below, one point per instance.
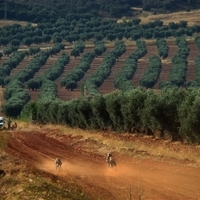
(84, 112)
(149, 115)
(123, 79)
(71, 85)
(132, 103)
(42, 110)
(34, 84)
(189, 116)
(104, 70)
(27, 41)
(99, 48)
(178, 70)
(172, 111)
(32, 67)
(73, 116)
(46, 38)
(151, 75)
(163, 49)
(41, 11)
(10, 64)
(100, 117)
(71, 79)
(16, 97)
(113, 107)
(77, 49)
(48, 90)
(4, 41)
(62, 115)
(15, 42)
(164, 112)
(33, 50)
(167, 84)
(9, 50)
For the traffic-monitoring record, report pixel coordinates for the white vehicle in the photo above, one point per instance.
(1, 122)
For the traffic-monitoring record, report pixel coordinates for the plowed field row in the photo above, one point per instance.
(108, 86)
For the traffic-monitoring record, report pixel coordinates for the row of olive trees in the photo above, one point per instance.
(48, 90)
(99, 47)
(11, 63)
(163, 49)
(52, 73)
(172, 111)
(152, 73)
(123, 78)
(78, 48)
(177, 74)
(76, 74)
(15, 98)
(19, 97)
(93, 28)
(69, 81)
(104, 70)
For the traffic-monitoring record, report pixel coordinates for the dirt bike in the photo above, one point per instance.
(58, 164)
(111, 163)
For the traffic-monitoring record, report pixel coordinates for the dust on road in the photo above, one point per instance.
(133, 177)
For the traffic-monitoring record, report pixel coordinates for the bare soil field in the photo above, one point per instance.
(169, 171)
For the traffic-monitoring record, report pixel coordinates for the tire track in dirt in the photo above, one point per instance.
(134, 176)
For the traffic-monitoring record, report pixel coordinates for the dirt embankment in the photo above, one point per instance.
(138, 175)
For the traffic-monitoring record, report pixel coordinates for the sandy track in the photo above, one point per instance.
(133, 177)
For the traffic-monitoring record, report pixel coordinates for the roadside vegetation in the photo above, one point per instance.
(20, 180)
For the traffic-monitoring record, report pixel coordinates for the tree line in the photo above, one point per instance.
(51, 10)
(173, 112)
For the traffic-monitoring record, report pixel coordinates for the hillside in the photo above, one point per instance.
(169, 171)
(37, 11)
(107, 86)
(153, 136)
(64, 59)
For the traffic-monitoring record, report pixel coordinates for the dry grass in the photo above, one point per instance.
(11, 22)
(4, 138)
(191, 17)
(22, 181)
(138, 147)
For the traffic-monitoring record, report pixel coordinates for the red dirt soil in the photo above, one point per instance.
(137, 176)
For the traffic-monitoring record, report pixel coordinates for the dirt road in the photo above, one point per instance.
(83, 162)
